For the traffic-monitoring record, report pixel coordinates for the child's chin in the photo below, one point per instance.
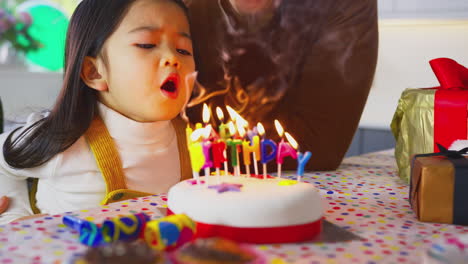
(166, 116)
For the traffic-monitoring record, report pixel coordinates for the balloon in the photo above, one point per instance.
(49, 27)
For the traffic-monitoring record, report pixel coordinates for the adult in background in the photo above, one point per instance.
(309, 64)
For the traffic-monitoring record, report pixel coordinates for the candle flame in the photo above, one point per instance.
(241, 121)
(291, 140)
(241, 129)
(206, 114)
(260, 129)
(207, 131)
(232, 128)
(220, 114)
(197, 134)
(279, 128)
(233, 114)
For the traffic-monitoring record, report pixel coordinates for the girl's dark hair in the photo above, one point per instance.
(90, 26)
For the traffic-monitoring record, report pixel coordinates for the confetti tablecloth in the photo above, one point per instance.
(364, 196)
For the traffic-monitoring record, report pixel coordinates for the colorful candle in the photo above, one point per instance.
(233, 143)
(266, 144)
(302, 158)
(197, 159)
(242, 133)
(219, 155)
(206, 145)
(252, 147)
(284, 149)
(223, 129)
(224, 134)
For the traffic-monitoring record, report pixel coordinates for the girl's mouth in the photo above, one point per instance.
(170, 87)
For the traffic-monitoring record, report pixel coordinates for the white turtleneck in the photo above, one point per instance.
(72, 180)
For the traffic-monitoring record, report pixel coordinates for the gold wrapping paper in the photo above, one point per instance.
(432, 183)
(413, 127)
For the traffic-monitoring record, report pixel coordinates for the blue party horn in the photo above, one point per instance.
(125, 228)
(90, 233)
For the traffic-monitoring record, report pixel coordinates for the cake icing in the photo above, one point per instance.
(246, 201)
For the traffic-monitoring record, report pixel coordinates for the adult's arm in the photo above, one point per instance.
(324, 110)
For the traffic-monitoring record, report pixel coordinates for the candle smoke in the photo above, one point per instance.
(260, 65)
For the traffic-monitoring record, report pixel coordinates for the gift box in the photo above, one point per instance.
(428, 115)
(439, 187)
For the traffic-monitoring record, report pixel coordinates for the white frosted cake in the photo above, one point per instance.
(249, 209)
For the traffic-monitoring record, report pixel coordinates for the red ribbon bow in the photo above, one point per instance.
(451, 100)
(450, 74)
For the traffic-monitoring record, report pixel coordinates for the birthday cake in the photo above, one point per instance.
(249, 209)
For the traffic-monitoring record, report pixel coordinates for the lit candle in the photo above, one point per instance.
(224, 134)
(256, 154)
(254, 148)
(233, 143)
(206, 143)
(264, 145)
(223, 129)
(236, 117)
(245, 146)
(302, 158)
(219, 155)
(284, 149)
(197, 159)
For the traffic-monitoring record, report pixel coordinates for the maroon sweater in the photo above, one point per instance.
(311, 67)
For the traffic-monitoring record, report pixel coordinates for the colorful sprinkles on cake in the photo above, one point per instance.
(226, 187)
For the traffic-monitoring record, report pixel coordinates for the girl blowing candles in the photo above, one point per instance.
(114, 132)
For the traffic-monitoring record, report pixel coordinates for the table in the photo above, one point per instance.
(364, 196)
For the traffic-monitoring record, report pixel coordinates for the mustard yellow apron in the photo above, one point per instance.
(110, 165)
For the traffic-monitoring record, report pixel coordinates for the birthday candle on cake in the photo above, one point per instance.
(206, 144)
(223, 129)
(264, 145)
(197, 159)
(233, 143)
(302, 158)
(255, 143)
(251, 147)
(284, 149)
(218, 149)
(246, 155)
(224, 134)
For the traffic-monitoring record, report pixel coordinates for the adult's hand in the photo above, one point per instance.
(4, 203)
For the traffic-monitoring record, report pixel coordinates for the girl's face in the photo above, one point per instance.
(149, 57)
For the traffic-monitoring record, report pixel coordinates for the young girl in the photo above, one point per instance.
(113, 133)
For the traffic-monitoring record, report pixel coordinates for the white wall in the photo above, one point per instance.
(405, 48)
(440, 9)
(23, 92)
